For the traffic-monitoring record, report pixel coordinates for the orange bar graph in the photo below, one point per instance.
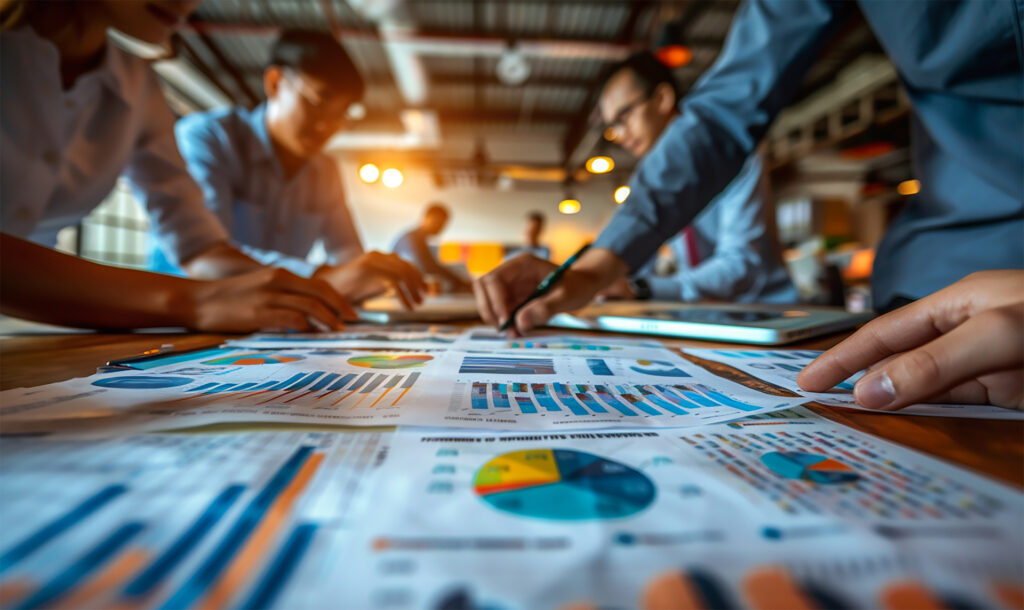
(386, 390)
(351, 392)
(671, 591)
(255, 549)
(772, 588)
(1009, 594)
(909, 595)
(400, 396)
(116, 573)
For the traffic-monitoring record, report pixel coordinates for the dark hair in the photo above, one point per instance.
(647, 70)
(436, 207)
(318, 53)
(535, 217)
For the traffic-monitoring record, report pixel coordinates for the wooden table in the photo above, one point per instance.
(989, 446)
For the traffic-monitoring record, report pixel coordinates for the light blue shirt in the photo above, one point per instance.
(961, 65)
(63, 151)
(740, 258)
(274, 219)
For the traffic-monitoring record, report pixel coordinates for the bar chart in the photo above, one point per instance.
(165, 521)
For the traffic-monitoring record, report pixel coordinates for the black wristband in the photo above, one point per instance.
(640, 287)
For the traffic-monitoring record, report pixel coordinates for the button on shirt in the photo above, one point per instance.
(62, 151)
(272, 218)
(739, 258)
(961, 65)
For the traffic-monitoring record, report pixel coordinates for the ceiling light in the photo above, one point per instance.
(908, 187)
(569, 206)
(674, 55)
(369, 173)
(512, 68)
(600, 165)
(392, 178)
(621, 194)
(356, 112)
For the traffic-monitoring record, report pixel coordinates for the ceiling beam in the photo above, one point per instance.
(229, 68)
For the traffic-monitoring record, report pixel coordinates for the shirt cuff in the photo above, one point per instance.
(630, 240)
(664, 288)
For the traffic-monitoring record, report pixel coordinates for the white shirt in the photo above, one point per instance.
(61, 152)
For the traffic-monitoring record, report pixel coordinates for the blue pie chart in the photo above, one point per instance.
(141, 382)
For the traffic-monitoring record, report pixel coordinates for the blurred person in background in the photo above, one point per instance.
(948, 268)
(265, 176)
(730, 252)
(413, 246)
(78, 112)
(532, 231)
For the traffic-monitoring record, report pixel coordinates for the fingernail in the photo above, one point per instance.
(875, 391)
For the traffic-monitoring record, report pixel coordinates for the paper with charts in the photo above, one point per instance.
(773, 512)
(245, 520)
(479, 382)
(780, 368)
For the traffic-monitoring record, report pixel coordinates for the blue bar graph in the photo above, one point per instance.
(543, 397)
(218, 559)
(359, 382)
(725, 400)
(273, 580)
(676, 397)
(565, 397)
(603, 393)
(265, 386)
(410, 380)
(308, 379)
(149, 578)
(373, 384)
(58, 526)
(661, 402)
(525, 404)
(499, 397)
(324, 381)
(288, 382)
(83, 566)
(205, 386)
(337, 385)
(789, 367)
(478, 396)
(599, 367)
(591, 402)
(691, 395)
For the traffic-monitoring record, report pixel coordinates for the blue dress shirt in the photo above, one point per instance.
(961, 65)
(61, 152)
(740, 257)
(269, 216)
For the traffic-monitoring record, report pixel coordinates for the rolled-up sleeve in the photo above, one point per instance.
(162, 184)
(770, 46)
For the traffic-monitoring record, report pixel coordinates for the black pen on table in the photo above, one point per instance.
(544, 286)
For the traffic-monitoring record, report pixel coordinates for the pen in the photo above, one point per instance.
(544, 286)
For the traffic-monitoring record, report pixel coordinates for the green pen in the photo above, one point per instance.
(544, 286)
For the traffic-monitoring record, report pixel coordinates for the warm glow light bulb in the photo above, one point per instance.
(369, 173)
(392, 178)
(621, 194)
(569, 206)
(600, 165)
(908, 187)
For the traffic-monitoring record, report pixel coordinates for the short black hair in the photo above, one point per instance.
(647, 70)
(535, 217)
(318, 53)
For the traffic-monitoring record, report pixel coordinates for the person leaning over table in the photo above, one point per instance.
(77, 112)
(730, 251)
(265, 176)
(956, 251)
(413, 247)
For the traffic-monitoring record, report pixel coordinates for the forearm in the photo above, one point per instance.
(220, 261)
(46, 286)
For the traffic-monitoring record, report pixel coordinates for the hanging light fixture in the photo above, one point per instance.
(621, 194)
(369, 173)
(392, 178)
(600, 164)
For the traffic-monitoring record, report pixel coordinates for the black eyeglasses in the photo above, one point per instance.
(620, 117)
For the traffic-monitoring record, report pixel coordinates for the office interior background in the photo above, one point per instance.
(489, 107)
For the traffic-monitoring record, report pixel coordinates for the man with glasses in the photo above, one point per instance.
(264, 173)
(730, 251)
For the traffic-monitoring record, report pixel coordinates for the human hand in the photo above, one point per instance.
(617, 291)
(503, 289)
(268, 299)
(373, 274)
(964, 343)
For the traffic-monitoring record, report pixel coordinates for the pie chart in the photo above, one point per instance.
(658, 368)
(141, 382)
(563, 484)
(390, 361)
(253, 358)
(809, 467)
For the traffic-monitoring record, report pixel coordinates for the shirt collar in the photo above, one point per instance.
(257, 120)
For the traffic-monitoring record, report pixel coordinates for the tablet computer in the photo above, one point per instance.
(733, 323)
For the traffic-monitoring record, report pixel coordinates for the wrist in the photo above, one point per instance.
(178, 302)
(603, 265)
